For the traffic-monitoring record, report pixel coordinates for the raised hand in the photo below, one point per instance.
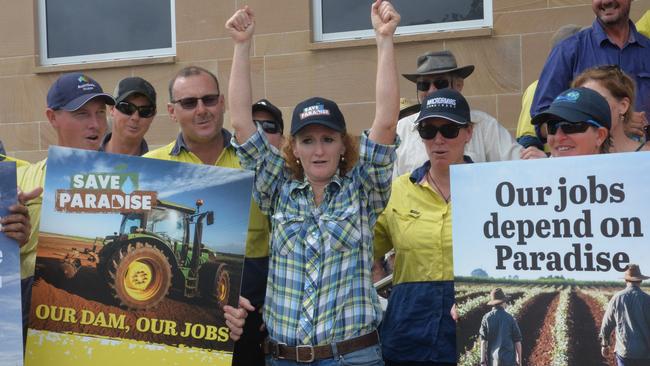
(384, 18)
(241, 25)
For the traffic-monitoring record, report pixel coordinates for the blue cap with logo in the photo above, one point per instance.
(71, 91)
(577, 105)
(317, 111)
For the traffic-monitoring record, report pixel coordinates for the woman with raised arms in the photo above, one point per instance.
(323, 201)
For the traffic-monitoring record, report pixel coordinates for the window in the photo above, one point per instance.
(335, 20)
(79, 31)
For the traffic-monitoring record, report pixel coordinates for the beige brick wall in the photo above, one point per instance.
(286, 69)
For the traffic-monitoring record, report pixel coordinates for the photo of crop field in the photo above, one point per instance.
(559, 319)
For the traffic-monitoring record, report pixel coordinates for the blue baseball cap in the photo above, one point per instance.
(317, 111)
(577, 105)
(71, 91)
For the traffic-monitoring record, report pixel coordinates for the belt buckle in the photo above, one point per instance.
(311, 351)
(275, 349)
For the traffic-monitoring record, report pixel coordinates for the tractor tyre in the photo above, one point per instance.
(139, 276)
(214, 282)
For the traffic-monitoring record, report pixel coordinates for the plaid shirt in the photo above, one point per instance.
(320, 287)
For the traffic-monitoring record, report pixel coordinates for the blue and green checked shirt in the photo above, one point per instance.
(320, 287)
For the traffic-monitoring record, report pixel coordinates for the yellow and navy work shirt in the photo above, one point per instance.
(18, 162)
(30, 177)
(417, 325)
(319, 289)
(257, 240)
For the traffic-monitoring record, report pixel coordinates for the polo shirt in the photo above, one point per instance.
(30, 177)
(257, 240)
(144, 147)
(591, 47)
(18, 162)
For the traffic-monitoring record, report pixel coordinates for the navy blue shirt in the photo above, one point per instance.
(591, 47)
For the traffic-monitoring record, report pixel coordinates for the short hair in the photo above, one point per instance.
(350, 156)
(187, 72)
(563, 33)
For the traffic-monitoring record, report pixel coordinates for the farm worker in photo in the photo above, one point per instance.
(577, 123)
(500, 335)
(133, 113)
(197, 104)
(323, 200)
(629, 313)
(618, 89)
(437, 71)
(76, 109)
(419, 325)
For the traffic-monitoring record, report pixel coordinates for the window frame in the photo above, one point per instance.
(320, 37)
(44, 60)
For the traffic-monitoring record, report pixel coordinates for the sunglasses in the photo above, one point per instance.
(448, 131)
(144, 111)
(209, 100)
(425, 85)
(271, 127)
(570, 128)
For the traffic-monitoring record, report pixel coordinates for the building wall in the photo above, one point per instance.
(286, 67)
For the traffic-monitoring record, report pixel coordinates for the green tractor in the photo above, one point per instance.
(156, 251)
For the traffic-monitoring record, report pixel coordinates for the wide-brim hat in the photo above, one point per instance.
(633, 273)
(497, 297)
(577, 105)
(432, 63)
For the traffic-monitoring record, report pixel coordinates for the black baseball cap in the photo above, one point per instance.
(71, 91)
(317, 111)
(265, 105)
(134, 85)
(447, 104)
(577, 105)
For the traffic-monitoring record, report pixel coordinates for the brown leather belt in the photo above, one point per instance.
(309, 353)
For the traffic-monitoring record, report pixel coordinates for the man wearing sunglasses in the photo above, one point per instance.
(490, 141)
(612, 39)
(197, 105)
(134, 110)
(269, 118)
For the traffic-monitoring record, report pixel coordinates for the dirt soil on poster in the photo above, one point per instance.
(87, 291)
(542, 353)
(587, 316)
(531, 322)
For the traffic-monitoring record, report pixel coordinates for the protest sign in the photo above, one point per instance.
(11, 333)
(556, 235)
(136, 258)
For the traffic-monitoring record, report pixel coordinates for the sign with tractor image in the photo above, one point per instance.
(136, 259)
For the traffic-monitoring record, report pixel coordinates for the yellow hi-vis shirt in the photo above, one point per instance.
(30, 177)
(417, 223)
(18, 162)
(643, 25)
(257, 240)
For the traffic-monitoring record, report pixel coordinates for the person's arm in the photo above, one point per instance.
(606, 327)
(483, 352)
(556, 75)
(17, 224)
(519, 354)
(384, 21)
(241, 27)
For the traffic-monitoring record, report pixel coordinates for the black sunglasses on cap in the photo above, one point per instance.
(209, 100)
(569, 128)
(144, 111)
(269, 126)
(448, 131)
(425, 85)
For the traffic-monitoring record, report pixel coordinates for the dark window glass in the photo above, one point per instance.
(87, 27)
(352, 15)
